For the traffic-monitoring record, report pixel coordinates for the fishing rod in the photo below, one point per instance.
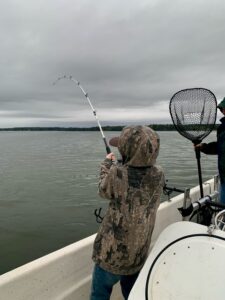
(108, 150)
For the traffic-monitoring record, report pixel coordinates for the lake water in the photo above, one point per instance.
(48, 187)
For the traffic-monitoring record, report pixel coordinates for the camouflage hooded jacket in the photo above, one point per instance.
(134, 189)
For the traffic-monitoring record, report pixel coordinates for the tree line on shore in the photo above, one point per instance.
(156, 127)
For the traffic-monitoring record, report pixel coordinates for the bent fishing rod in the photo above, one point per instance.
(108, 150)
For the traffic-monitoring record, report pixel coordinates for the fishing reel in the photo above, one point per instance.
(206, 211)
(220, 220)
(99, 218)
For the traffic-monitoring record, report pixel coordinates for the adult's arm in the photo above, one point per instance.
(210, 148)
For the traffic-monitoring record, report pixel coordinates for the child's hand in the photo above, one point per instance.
(111, 156)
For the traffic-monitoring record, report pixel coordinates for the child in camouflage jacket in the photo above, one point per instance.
(133, 189)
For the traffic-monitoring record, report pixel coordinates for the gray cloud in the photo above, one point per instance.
(131, 57)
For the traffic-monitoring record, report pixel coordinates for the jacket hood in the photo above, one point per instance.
(139, 146)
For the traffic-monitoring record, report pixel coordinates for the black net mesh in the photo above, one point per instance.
(193, 112)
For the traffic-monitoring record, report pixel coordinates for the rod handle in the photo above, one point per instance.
(108, 150)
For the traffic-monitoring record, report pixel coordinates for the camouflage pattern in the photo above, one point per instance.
(139, 146)
(134, 189)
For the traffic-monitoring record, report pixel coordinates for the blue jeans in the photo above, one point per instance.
(222, 193)
(103, 282)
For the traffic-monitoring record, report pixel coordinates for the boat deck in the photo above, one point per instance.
(66, 274)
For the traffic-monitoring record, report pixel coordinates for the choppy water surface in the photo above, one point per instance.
(48, 188)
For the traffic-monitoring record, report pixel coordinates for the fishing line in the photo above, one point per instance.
(97, 212)
(92, 107)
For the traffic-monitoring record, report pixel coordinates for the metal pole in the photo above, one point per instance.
(198, 156)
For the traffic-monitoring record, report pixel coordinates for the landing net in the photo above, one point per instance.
(193, 112)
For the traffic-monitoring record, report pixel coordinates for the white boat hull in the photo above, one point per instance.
(185, 263)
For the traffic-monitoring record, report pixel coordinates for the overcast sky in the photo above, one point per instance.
(131, 56)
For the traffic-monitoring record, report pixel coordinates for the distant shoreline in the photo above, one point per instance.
(156, 127)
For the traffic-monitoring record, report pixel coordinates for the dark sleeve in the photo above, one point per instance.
(210, 148)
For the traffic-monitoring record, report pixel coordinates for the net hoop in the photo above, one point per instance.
(193, 112)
